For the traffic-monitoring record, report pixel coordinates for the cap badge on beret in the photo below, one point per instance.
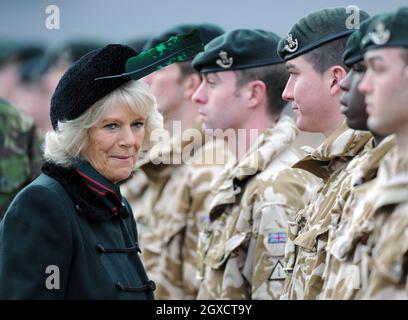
(380, 35)
(291, 44)
(224, 62)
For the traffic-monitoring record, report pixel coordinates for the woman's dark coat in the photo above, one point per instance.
(69, 237)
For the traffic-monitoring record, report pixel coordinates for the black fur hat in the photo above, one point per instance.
(78, 90)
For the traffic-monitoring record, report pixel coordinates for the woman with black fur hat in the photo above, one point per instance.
(70, 234)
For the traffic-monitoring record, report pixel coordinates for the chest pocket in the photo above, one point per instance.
(221, 252)
(173, 227)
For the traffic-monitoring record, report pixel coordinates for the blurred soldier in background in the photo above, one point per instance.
(385, 86)
(20, 153)
(13, 54)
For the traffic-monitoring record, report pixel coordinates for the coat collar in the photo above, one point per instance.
(93, 195)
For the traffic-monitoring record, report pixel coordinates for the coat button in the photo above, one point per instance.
(151, 285)
(79, 209)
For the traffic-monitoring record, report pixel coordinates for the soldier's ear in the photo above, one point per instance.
(256, 93)
(336, 75)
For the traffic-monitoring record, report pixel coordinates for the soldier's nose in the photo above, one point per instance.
(287, 94)
(199, 95)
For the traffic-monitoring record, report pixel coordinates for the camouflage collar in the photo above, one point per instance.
(267, 147)
(369, 167)
(150, 162)
(392, 180)
(342, 143)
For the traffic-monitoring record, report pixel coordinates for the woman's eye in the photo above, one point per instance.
(111, 126)
(138, 124)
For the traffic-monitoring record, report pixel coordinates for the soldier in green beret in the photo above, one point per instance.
(242, 246)
(313, 50)
(385, 86)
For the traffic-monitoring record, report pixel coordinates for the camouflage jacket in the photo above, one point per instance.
(347, 250)
(242, 248)
(175, 205)
(20, 153)
(388, 266)
(308, 232)
(136, 191)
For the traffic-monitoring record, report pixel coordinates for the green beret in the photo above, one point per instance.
(238, 49)
(389, 30)
(316, 29)
(354, 52)
(207, 33)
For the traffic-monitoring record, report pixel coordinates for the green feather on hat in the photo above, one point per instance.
(177, 49)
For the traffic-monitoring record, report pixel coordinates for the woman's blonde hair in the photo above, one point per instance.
(64, 145)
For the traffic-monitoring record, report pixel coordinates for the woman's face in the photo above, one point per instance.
(114, 143)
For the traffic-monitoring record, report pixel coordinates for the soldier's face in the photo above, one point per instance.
(385, 86)
(312, 99)
(114, 143)
(166, 86)
(8, 81)
(220, 104)
(352, 100)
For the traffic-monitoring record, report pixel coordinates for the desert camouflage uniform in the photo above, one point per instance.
(241, 250)
(20, 153)
(136, 191)
(347, 247)
(308, 232)
(176, 205)
(388, 267)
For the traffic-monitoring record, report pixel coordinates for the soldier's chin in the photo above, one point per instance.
(379, 126)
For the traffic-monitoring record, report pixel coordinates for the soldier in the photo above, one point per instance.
(20, 150)
(170, 199)
(242, 246)
(385, 86)
(347, 247)
(13, 54)
(313, 52)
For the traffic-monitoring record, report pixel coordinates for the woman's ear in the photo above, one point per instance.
(191, 83)
(256, 93)
(336, 74)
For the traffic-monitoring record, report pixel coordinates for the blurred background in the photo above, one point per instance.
(121, 20)
(39, 39)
